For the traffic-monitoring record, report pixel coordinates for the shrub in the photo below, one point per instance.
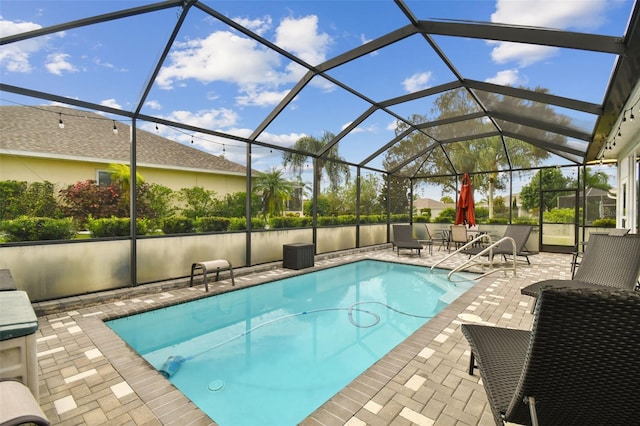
(447, 215)
(403, 217)
(35, 199)
(525, 221)
(116, 227)
(240, 223)
(177, 225)
(327, 220)
(605, 222)
(498, 220)
(281, 222)
(212, 224)
(86, 199)
(422, 219)
(347, 219)
(37, 229)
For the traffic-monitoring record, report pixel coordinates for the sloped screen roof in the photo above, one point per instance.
(418, 89)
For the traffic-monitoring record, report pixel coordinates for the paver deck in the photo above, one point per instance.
(88, 375)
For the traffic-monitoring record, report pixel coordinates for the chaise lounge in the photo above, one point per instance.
(519, 233)
(609, 262)
(577, 365)
(403, 239)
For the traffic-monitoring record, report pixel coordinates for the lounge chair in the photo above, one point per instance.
(403, 239)
(609, 262)
(577, 255)
(18, 406)
(441, 236)
(577, 365)
(519, 233)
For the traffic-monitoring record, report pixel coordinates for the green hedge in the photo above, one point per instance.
(37, 229)
(606, 222)
(116, 227)
(178, 225)
(212, 224)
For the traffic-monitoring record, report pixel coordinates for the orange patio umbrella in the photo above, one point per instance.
(465, 214)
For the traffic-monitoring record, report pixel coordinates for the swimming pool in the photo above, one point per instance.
(272, 354)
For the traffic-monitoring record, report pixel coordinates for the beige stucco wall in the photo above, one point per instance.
(66, 172)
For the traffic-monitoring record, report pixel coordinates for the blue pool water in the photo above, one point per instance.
(270, 355)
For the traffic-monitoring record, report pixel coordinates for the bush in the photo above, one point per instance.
(35, 199)
(240, 223)
(403, 217)
(212, 224)
(605, 222)
(281, 222)
(525, 221)
(177, 225)
(447, 215)
(566, 215)
(347, 219)
(499, 220)
(37, 229)
(373, 218)
(422, 219)
(116, 227)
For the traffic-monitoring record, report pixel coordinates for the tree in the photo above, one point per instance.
(120, 175)
(274, 191)
(336, 171)
(550, 179)
(447, 199)
(199, 202)
(486, 154)
(598, 179)
(398, 200)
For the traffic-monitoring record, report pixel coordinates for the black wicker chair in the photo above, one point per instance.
(577, 366)
(403, 239)
(609, 261)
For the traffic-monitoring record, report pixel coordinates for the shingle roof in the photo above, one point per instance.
(35, 131)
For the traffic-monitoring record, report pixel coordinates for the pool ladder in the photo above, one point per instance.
(487, 250)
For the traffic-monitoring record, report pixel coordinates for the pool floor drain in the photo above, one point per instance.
(216, 385)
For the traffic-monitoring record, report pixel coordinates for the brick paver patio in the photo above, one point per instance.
(90, 376)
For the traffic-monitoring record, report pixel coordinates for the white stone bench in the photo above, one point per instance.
(210, 266)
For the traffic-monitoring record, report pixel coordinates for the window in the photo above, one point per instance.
(103, 178)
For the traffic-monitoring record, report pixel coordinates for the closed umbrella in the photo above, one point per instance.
(465, 214)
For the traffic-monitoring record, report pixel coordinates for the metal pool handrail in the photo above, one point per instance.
(488, 250)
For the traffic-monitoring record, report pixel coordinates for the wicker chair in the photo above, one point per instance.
(577, 366)
(609, 262)
(403, 239)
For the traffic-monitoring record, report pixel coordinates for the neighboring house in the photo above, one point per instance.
(600, 204)
(34, 148)
(427, 203)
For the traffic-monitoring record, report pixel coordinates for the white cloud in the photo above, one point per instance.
(301, 37)
(257, 72)
(155, 105)
(222, 56)
(583, 14)
(207, 119)
(417, 82)
(14, 57)
(260, 98)
(506, 77)
(575, 15)
(111, 103)
(57, 63)
(259, 25)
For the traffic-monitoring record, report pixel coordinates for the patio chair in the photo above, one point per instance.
(577, 365)
(440, 236)
(519, 233)
(458, 236)
(577, 255)
(403, 239)
(609, 262)
(18, 406)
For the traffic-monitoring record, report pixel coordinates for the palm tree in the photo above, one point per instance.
(120, 175)
(335, 170)
(274, 191)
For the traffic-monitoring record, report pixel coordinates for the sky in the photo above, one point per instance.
(216, 78)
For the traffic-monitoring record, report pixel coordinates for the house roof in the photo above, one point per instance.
(87, 136)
